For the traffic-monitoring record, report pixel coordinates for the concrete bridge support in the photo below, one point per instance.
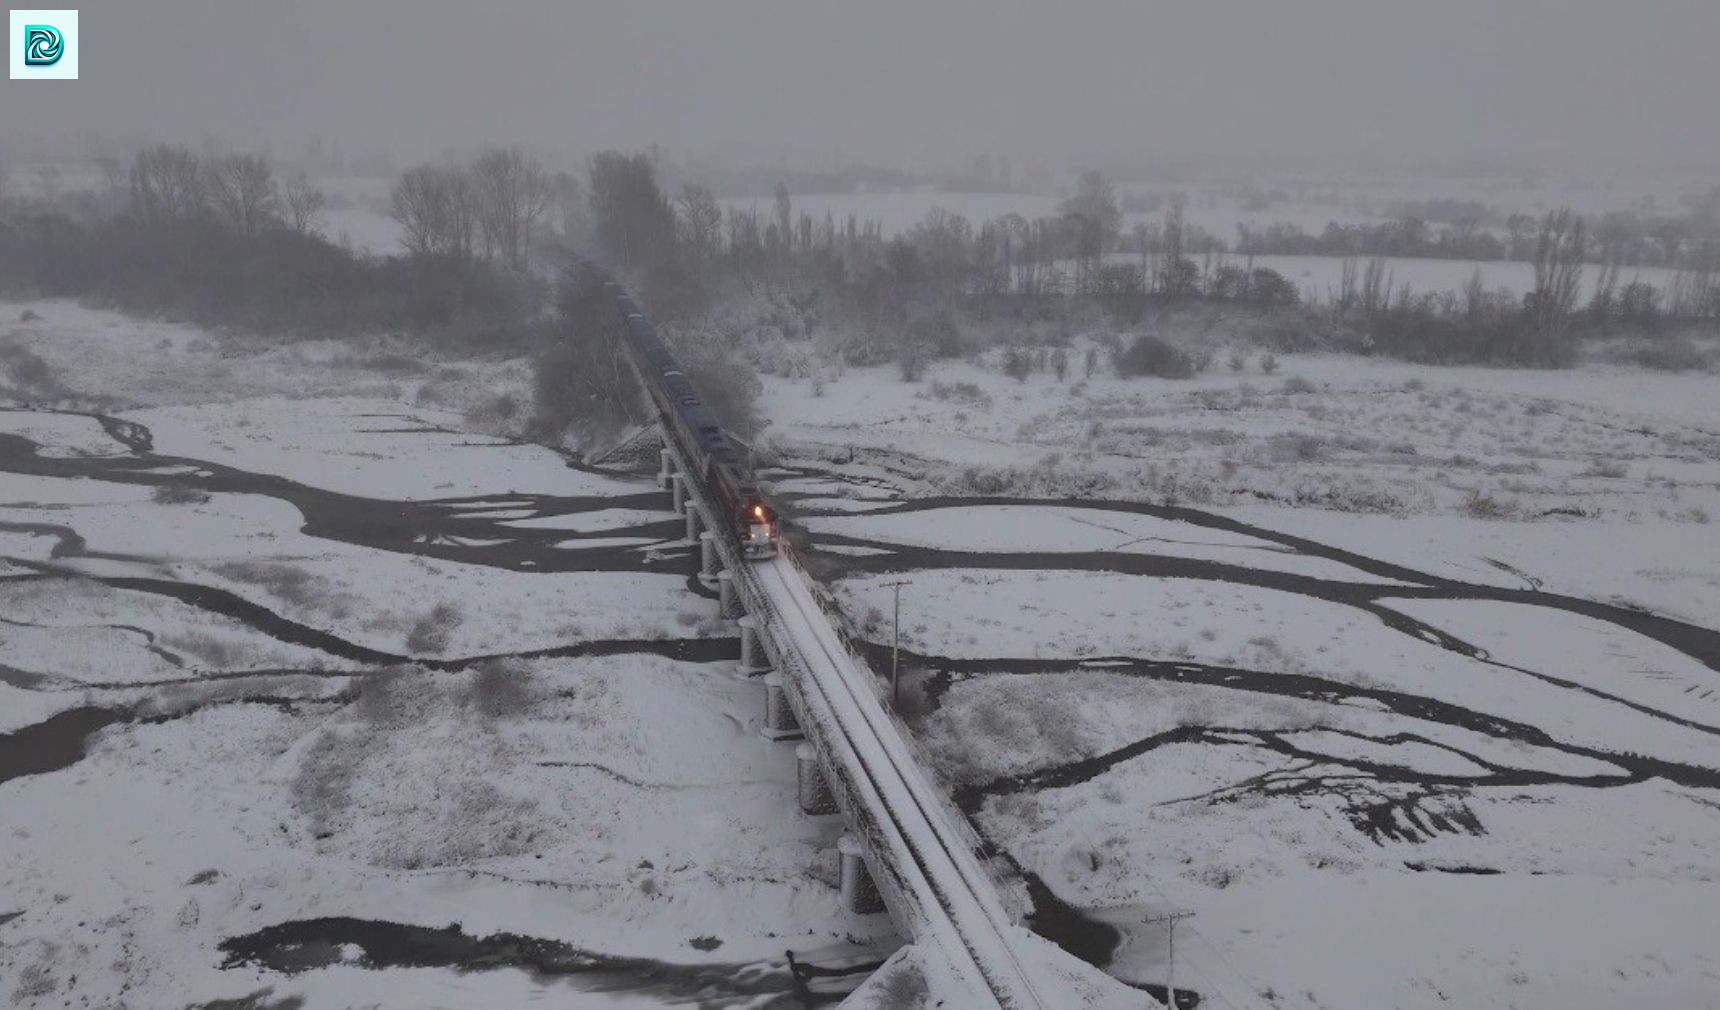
(753, 659)
(695, 523)
(816, 799)
(665, 468)
(728, 597)
(779, 721)
(709, 563)
(859, 891)
(678, 488)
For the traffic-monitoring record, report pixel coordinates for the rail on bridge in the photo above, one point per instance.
(920, 853)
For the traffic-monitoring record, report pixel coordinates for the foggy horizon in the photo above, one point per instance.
(1331, 82)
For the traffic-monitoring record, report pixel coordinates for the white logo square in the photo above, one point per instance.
(44, 46)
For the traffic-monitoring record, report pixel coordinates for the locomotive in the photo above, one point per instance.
(748, 518)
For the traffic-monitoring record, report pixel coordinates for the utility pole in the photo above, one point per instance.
(1170, 923)
(896, 648)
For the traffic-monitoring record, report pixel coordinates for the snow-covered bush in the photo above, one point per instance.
(430, 632)
(499, 688)
(1155, 356)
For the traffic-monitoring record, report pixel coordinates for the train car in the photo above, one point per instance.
(755, 520)
(751, 520)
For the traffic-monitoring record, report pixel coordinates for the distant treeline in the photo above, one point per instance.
(221, 240)
(920, 294)
(1624, 238)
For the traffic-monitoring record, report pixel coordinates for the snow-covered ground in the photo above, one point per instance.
(1402, 678)
(311, 661)
(1405, 680)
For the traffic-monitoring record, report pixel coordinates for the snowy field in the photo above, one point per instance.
(1405, 680)
(292, 680)
(1402, 678)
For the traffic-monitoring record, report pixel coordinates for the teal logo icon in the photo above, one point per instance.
(43, 45)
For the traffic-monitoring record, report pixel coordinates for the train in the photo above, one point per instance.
(747, 516)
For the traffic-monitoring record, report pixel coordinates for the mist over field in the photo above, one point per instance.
(780, 504)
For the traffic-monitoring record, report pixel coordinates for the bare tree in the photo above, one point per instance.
(1095, 220)
(1375, 294)
(113, 177)
(701, 222)
(635, 221)
(1521, 228)
(243, 191)
(433, 204)
(304, 202)
(1558, 274)
(510, 192)
(167, 185)
(569, 200)
(781, 211)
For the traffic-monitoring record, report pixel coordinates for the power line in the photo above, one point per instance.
(1170, 920)
(896, 648)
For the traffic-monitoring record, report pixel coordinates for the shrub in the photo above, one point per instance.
(961, 392)
(1484, 506)
(910, 364)
(1268, 363)
(501, 689)
(1298, 447)
(496, 416)
(384, 696)
(294, 585)
(1673, 354)
(430, 632)
(386, 362)
(30, 374)
(178, 492)
(1297, 384)
(218, 653)
(322, 789)
(1017, 363)
(1155, 356)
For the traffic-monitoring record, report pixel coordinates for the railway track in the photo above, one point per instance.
(919, 849)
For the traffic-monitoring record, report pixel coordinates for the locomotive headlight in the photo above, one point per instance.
(758, 510)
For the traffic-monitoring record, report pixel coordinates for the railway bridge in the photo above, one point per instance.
(906, 848)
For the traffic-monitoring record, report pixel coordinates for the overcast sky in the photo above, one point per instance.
(913, 81)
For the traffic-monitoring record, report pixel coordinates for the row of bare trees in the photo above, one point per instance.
(489, 207)
(171, 185)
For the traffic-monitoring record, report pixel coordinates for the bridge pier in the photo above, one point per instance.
(779, 722)
(709, 563)
(859, 891)
(816, 798)
(728, 601)
(678, 488)
(694, 523)
(665, 468)
(753, 660)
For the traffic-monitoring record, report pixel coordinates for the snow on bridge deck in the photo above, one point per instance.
(919, 849)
